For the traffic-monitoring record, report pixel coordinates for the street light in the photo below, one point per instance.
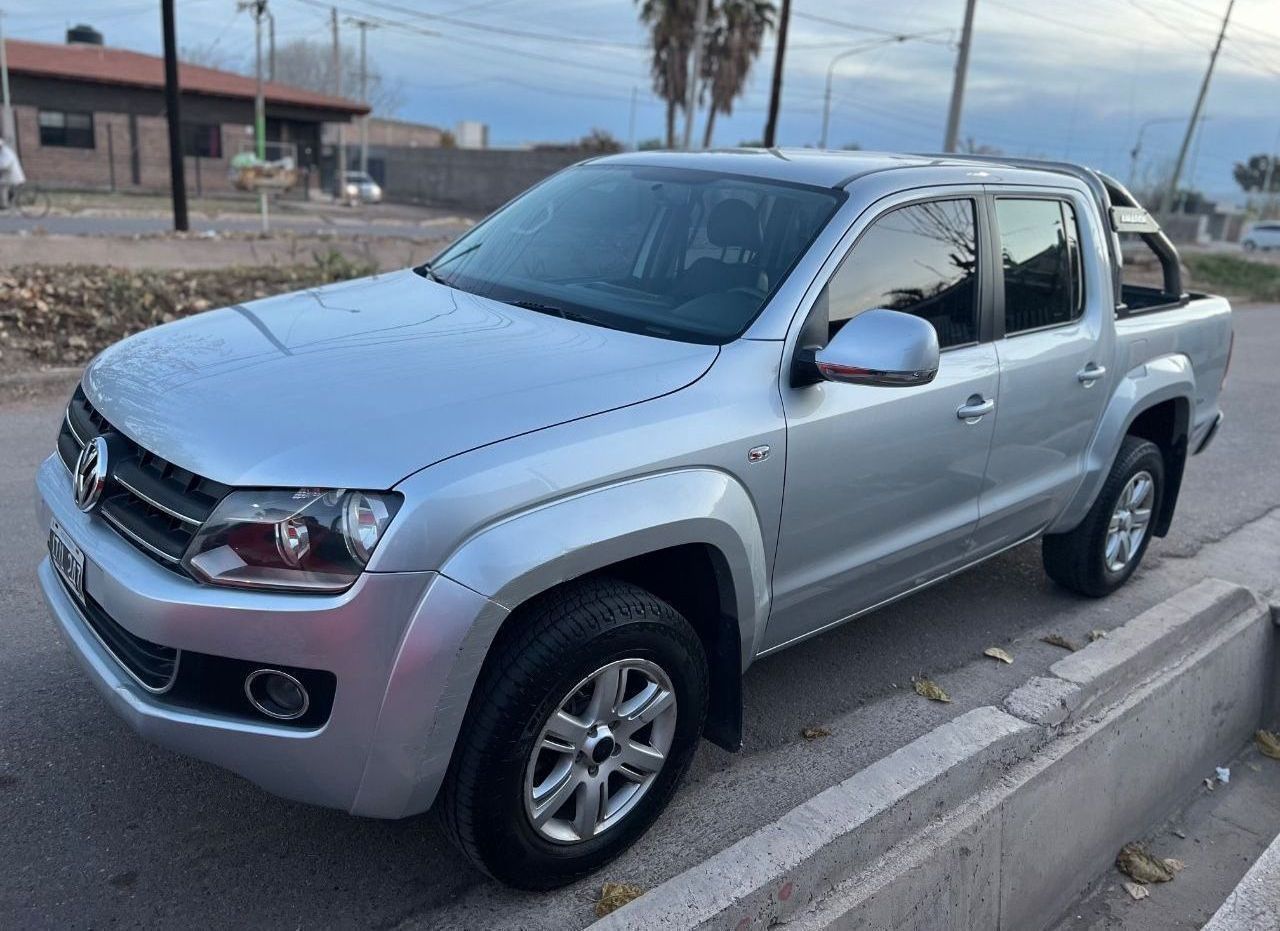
(1137, 146)
(831, 70)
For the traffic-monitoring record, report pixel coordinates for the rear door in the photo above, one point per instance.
(1054, 337)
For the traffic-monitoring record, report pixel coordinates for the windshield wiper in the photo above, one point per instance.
(428, 269)
(553, 310)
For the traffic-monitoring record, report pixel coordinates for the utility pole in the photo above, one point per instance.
(695, 71)
(1167, 201)
(363, 25)
(339, 182)
(6, 108)
(177, 177)
(259, 10)
(1268, 195)
(957, 88)
(631, 123)
(775, 92)
(271, 46)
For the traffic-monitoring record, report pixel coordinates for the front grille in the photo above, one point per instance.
(155, 505)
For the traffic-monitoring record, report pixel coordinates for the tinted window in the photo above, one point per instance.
(1040, 253)
(669, 252)
(920, 259)
(60, 128)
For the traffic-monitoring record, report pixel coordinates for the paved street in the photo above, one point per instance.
(354, 225)
(101, 829)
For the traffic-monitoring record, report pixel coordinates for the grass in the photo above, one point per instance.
(1235, 276)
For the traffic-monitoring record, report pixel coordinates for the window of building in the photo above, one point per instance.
(202, 140)
(921, 259)
(64, 128)
(1040, 253)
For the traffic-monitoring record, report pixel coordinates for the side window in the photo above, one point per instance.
(921, 259)
(1040, 255)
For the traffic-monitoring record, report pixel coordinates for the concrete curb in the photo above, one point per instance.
(997, 821)
(1254, 904)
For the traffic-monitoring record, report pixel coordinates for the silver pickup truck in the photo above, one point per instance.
(501, 533)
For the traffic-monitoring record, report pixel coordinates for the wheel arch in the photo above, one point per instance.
(1154, 401)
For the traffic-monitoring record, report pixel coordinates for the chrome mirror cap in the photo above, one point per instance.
(881, 347)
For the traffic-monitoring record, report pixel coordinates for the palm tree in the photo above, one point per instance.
(670, 25)
(737, 31)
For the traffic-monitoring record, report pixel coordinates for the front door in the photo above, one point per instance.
(882, 484)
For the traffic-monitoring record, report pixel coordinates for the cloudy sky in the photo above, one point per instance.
(1069, 80)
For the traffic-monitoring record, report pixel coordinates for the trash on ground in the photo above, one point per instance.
(930, 690)
(1096, 635)
(1268, 743)
(1174, 864)
(1208, 784)
(1057, 640)
(813, 733)
(1223, 774)
(615, 895)
(1134, 861)
(1181, 835)
(1136, 892)
(997, 653)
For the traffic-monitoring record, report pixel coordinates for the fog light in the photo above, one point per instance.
(276, 694)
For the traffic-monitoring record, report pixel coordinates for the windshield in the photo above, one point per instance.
(669, 252)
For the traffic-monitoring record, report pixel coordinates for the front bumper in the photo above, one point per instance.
(390, 641)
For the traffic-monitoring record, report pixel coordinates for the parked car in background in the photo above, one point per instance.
(503, 532)
(1261, 236)
(360, 188)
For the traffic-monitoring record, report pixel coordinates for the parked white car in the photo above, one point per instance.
(1261, 236)
(360, 188)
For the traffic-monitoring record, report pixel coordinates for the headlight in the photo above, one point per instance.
(352, 190)
(308, 540)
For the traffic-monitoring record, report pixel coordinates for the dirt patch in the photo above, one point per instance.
(63, 315)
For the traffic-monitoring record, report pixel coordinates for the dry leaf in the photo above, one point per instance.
(1096, 635)
(1268, 744)
(997, 653)
(1174, 864)
(1057, 640)
(615, 895)
(930, 690)
(1136, 892)
(813, 733)
(1137, 864)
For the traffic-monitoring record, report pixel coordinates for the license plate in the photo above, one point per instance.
(67, 559)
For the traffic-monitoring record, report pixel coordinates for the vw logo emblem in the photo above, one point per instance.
(90, 474)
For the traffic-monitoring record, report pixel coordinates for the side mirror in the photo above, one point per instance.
(881, 347)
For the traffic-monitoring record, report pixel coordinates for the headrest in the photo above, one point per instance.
(733, 223)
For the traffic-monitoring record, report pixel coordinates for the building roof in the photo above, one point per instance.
(103, 65)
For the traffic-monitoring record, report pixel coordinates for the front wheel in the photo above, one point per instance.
(31, 202)
(579, 729)
(1099, 555)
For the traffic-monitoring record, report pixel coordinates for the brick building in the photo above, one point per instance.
(90, 116)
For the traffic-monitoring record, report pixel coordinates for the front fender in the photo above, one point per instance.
(522, 555)
(1161, 379)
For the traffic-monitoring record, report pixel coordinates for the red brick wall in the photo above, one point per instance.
(59, 166)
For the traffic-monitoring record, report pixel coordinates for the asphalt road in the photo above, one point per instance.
(101, 829)
(147, 225)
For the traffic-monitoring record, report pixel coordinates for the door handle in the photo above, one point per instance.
(975, 408)
(1090, 373)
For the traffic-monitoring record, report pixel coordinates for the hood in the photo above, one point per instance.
(361, 383)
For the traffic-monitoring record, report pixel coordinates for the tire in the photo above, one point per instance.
(31, 202)
(1080, 559)
(565, 637)
(1249, 245)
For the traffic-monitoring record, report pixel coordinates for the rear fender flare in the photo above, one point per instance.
(1161, 379)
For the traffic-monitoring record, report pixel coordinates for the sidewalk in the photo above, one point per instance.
(1219, 835)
